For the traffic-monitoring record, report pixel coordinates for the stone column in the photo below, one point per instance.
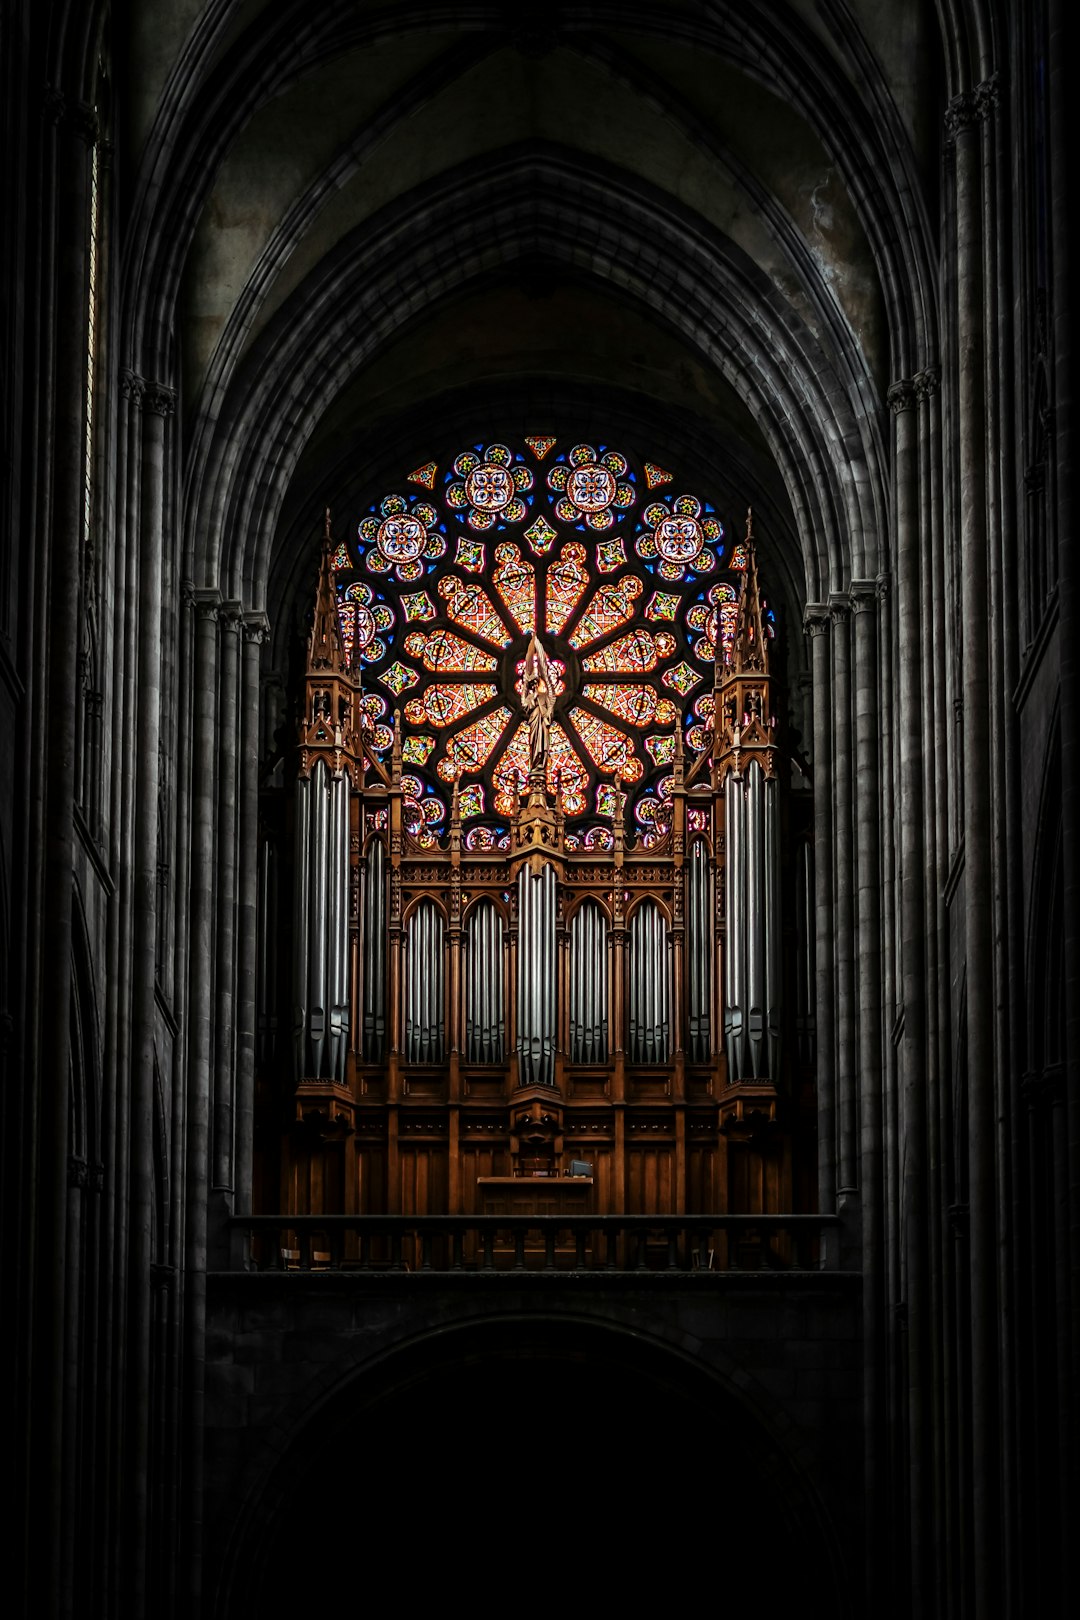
(1063, 206)
(817, 623)
(158, 404)
(864, 602)
(66, 163)
(913, 1076)
(256, 629)
(844, 918)
(965, 119)
(203, 801)
(225, 865)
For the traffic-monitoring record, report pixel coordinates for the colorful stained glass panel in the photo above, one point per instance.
(662, 606)
(637, 704)
(469, 605)
(539, 445)
(661, 748)
(680, 678)
(470, 748)
(515, 580)
(448, 654)
(566, 580)
(540, 534)
(611, 750)
(470, 555)
(612, 605)
(418, 607)
(633, 654)
(442, 704)
(471, 801)
(399, 677)
(416, 749)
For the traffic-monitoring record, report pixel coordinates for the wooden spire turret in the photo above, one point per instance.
(330, 724)
(743, 717)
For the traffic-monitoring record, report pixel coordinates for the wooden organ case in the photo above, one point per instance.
(472, 1024)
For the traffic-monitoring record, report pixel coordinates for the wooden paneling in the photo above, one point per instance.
(424, 1177)
(650, 1179)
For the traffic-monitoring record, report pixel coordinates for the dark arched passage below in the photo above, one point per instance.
(545, 1463)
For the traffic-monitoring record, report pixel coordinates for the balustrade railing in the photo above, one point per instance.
(544, 1243)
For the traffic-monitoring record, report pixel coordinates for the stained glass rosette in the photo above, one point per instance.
(628, 620)
(592, 487)
(489, 486)
(404, 538)
(680, 537)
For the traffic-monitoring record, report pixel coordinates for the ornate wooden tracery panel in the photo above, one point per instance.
(543, 674)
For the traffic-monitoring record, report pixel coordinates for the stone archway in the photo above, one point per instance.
(537, 1460)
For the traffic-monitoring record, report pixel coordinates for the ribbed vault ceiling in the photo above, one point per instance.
(364, 232)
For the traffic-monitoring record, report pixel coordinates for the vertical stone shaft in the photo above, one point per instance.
(978, 870)
(913, 969)
(200, 1028)
(70, 163)
(226, 861)
(157, 405)
(816, 621)
(254, 634)
(846, 1080)
(1062, 209)
(864, 599)
(933, 762)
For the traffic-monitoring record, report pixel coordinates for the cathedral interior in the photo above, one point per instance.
(539, 1003)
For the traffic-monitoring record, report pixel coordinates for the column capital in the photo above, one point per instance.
(158, 398)
(207, 603)
(231, 615)
(864, 594)
(927, 383)
(62, 112)
(900, 395)
(816, 619)
(971, 107)
(131, 386)
(839, 607)
(256, 628)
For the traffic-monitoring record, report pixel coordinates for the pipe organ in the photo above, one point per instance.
(587, 985)
(485, 977)
(478, 1005)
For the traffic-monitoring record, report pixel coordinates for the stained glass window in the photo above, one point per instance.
(627, 582)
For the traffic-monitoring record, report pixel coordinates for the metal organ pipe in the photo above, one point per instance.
(425, 1022)
(300, 926)
(588, 985)
(321, 925)
(699, 974)
(320, 804)
(338, 987)
(650, 986)
(753, 913)
(735, 988)
(773, 959)
(754, 965)
(483, 985)
(374, 1027)
(536, 976)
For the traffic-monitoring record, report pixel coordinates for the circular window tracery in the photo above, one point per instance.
(619, 583)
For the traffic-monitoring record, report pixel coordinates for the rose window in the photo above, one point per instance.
(610, 583)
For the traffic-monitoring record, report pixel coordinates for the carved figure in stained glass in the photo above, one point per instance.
(538, 701)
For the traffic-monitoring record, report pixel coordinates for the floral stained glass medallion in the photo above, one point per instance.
(629, 591)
